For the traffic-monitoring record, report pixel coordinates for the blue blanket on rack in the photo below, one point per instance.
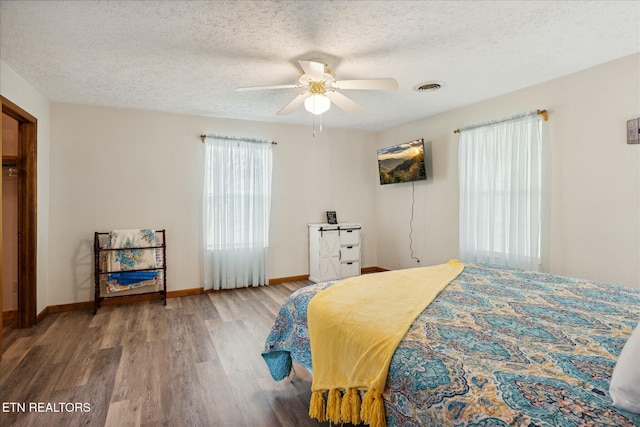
(131, 277)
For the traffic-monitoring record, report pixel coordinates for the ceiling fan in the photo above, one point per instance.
(321, 89)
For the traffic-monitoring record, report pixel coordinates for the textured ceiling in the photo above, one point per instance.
(189, 56)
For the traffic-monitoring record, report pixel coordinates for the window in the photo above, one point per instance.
(502, 192)
(236, 209)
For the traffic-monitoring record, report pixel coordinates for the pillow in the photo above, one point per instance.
(625, 381)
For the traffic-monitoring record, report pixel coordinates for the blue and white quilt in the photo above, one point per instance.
(497, 347)
(130, 257)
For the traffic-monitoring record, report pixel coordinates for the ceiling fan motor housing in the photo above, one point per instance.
(327, 78)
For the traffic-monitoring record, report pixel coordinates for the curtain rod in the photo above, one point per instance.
(203, 137)
(543, 113)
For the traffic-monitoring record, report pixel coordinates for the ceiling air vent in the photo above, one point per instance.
(427, 87)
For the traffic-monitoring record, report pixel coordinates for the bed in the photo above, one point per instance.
(497, 347)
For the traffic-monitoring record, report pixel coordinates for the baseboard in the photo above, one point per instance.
(42, 315)
(70, 307)
(128, 299)
(9, 314)
(364, 270)
(368, 270)
(186, 292)
(279, 280)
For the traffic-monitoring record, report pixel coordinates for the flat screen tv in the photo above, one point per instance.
(402, 163)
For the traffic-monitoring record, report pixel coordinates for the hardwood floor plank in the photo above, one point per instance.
(81, 361)
(270, 304)
(194, 362)
(35, 363)
(234, 345)
(63, 334)
(102, 317)
(286, 402)
(14, 355)
(9, 334)
(294, 286)
(181, 394)
(245, 387)
(158, 324)
(116, 325)
(174, 303)
(132, 372)
(221, 405)
(99, 388)
(125, 413)
(276, 293)
(201, 306)
(150, 391)
(258, 320)
(226, 305)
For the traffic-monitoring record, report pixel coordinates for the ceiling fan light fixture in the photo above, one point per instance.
(317, 104)
(320, 89)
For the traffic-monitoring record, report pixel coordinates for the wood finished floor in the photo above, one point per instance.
(195, 362)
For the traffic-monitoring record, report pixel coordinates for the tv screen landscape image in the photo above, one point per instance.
(402, 163)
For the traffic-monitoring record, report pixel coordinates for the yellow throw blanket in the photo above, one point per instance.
(354, 329)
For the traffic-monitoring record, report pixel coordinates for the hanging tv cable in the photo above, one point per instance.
(413, 201)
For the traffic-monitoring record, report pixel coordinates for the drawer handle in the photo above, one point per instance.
(349, 247)
(349, 231)
(349, 263)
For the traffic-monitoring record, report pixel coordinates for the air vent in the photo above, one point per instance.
(428, 87)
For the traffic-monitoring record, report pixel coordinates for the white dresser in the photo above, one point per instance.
(334, 251)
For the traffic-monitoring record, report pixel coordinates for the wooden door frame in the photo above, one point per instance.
(27, 213)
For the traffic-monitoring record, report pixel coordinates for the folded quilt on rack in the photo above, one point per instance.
(130, 258)
(123, 263)
(113, 285)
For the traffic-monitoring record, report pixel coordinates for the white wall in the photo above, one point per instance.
(595, 195)
(17, 90)
(119, 169)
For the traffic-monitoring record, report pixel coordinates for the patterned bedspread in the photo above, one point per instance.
(497, 347)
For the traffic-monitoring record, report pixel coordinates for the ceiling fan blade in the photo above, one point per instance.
(246, 89)
(315, 70)
(343, 102)
(295, 103)
(368, 84)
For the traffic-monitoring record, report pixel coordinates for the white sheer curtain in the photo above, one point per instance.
(503, 196)
(237, 203)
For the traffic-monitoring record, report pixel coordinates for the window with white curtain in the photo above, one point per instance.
(236, 209)
(503, 195)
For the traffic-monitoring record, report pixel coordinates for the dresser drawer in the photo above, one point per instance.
(350, 268)
(349, 253)
(349, 236)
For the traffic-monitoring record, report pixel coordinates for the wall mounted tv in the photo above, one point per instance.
(402, 163)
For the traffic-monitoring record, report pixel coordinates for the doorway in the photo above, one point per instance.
(9, 222)
(25, 171)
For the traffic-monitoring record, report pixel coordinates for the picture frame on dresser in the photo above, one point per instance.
(332, 218)
(633, 131)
